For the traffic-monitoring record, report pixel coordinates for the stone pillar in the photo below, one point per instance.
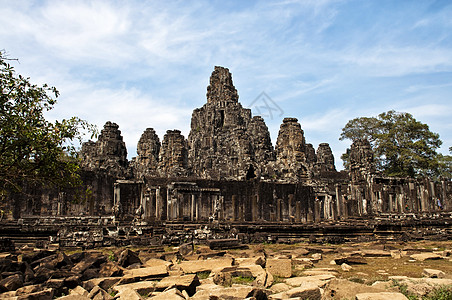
(278, 210)
(339, 204)
(234, 207)
(291, 215)
(192, 208)
(391, 206)
(317, 204)
(116, 193)
(147, 205)
(298, 212)
(198, 207)
(222, 208)
(158, 202)
(254, 216)
(169, 205)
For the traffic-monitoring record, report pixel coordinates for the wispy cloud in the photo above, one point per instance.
(146, 64)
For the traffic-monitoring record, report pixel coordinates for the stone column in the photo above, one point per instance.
(278, 210)
(222, 208)
(234, 205)
(192, 208)
(158, 202)
(391, 208)
(169, 205)
(290, 209)
(339, 204)
(317, 204)
(254, 216)
(298, 212)
(116, 193)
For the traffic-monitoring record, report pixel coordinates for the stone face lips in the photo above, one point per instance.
(225, 143)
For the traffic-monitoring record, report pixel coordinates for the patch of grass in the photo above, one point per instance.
(403, 288)
(440, 293)
(242, 280)
(203, 274)
(111, 256)
(278, 279)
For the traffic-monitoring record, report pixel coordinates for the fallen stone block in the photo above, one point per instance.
(320, 271)
(74, 297)
(98, 293)
(234, 292)
(425, 256)
(190, 267)
(171, 294)
(279, 288)
(11, 283)
(186, 249)
(78, 290)
(28, 289)
(128, 294)
(318, 280)
(93, 260)
(308, 291)
(346, 268)
(431, 273)
(104, 283)
(142, 287)
(148, 273)
(219, 244)
(279, 267)
(381, 296)
(110, 269)
(11, 295)
(182, 283)
(153, 262)
(127, 258)
(258, 260)
(46, 294)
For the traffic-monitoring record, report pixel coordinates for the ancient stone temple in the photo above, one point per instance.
(228, 171)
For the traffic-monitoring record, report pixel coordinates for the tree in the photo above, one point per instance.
(402, 145)
(34, 150)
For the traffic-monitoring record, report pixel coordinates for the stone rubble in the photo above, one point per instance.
(254, 273)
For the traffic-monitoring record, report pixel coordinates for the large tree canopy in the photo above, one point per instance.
(402, 145)
(33, 149)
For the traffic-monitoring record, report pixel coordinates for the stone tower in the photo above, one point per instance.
(173, 161)
(109, 153)
(224, 141)
(148, 150)
(291, 151)
(361, 160)
(325, 159)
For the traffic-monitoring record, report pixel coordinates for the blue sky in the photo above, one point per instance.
(147, 63)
